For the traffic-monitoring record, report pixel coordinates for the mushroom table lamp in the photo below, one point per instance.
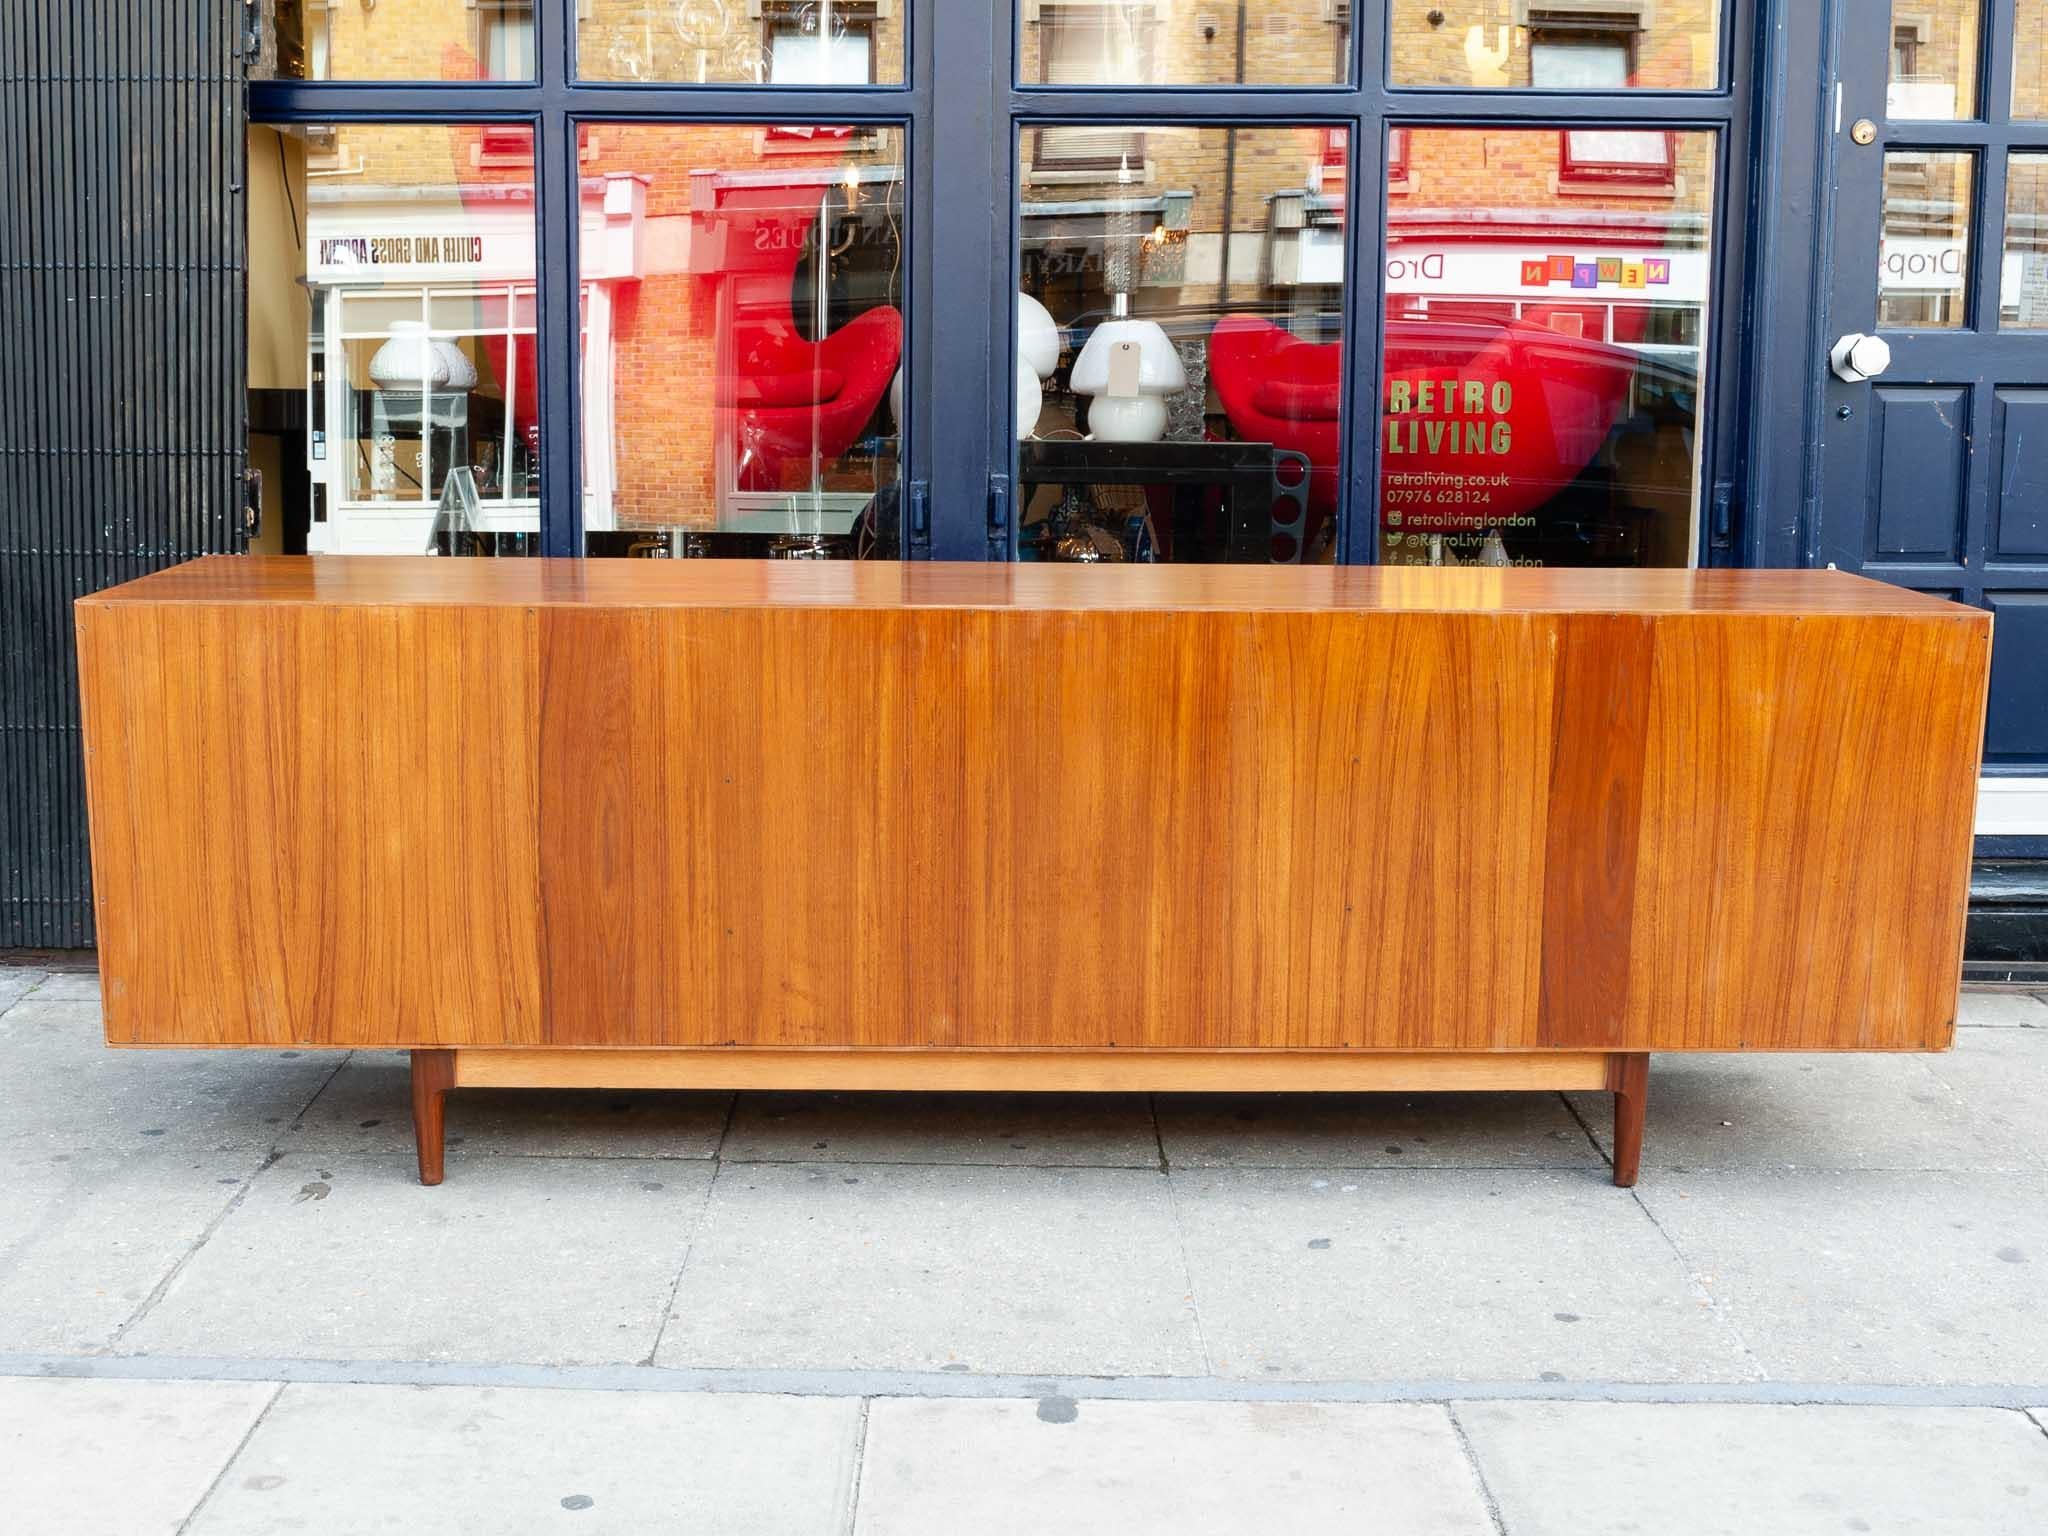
(1130, 367)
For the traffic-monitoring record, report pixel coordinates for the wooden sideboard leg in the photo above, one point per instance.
(433, 1074)
(1628, 1077)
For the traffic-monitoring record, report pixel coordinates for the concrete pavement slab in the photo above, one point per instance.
(367, 1110)
(123, 1458)
(1041, 1129)
(1074, 1270)
(16, 982)
(1813, 1111)
(1999, 1078)
(68, 1092)
(2026, 1010)
(1174, 1469)
(1442, 1275)
(1871, 1276)
(459, 1461)
(1372, 1130)
(517, 1259)
(69, 985)
(1606, 1469)
(85, 1238)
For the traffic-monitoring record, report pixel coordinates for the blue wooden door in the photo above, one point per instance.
(1934, 463)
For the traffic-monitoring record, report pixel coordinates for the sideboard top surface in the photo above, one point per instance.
(384, 580)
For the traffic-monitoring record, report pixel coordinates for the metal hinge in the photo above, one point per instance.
(252, 31)
(999, 509)
(1721, 515)
(920, 509)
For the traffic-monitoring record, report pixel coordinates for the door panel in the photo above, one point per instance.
(2022, 513)
(1923, 470)
(1934, 473)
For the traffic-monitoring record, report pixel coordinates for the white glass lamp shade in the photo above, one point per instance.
(1127, 418)
(1030, 400)
(1159, 366)
(1038, 338)
(412, 359)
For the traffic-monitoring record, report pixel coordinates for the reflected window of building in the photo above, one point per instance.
(393, 364)
(2023, 285)
(1933, 74)
(1184, 42)
(1543, 354)
(1924, 256)
(743, 362)
(1566, 45)
(407, 40)
(1180, 382)
(742, 42)
(2030, 60)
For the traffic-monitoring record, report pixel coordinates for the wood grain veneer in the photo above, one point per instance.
(435, 803)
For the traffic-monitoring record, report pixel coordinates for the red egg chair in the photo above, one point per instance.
(789, 398)
(1565, 396)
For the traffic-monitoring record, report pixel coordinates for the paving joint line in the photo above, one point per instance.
(1471, 1454)
(675, 1290)
(860, 1467)
(880, 1383)
(162, 1288)
(227, 1465)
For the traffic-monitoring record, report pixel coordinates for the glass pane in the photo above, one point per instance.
(1180, 374)
(1934, 60)
(743, 339)
(399, 40)
(2023, 282)
(1576, 45)
(1547, 297)
(1925, 254)
(742, 42)
(1184, 42)
(2030, 59)
(391, 398)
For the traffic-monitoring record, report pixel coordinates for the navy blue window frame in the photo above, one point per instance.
(962, 110)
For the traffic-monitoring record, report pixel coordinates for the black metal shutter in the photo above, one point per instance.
(121, 368)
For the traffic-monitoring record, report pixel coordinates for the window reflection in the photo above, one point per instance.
(1933, 74)
(1924, 257)
(744, 344)
(1542, 355)
(1179, 377)
(393, 363)
(406, 40)
(1184, 42)
(742, 42)
(1570, 45)
(2030, 60)
(2024, 279)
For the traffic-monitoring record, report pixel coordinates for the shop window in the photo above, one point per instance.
(393, 369)
(1180, 379)
(1540, 399)
(743, 364)
(2023, 302)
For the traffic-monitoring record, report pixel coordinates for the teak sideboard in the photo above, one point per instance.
(869, 825)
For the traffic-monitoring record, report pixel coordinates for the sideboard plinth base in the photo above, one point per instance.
(1624, 1074)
